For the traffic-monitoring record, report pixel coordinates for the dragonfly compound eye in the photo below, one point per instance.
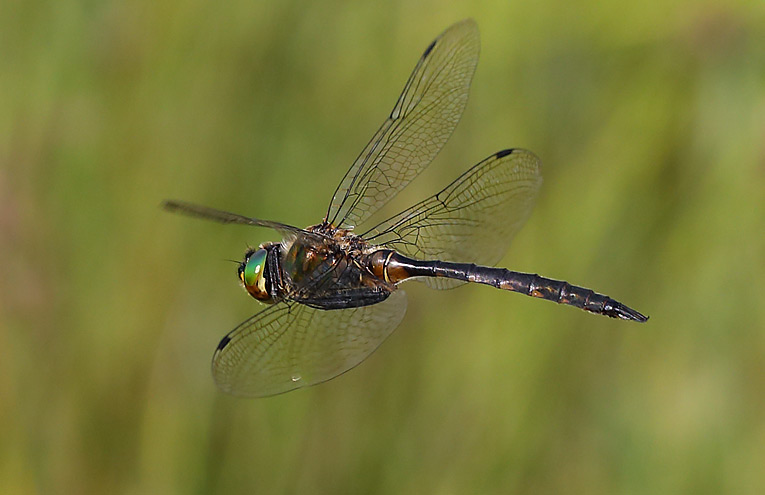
(253, 276)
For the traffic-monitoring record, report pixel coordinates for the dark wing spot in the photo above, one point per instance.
(224, 342)
(429, 49)
(503, 153)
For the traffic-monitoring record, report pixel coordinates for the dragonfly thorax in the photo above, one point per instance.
(340, 239)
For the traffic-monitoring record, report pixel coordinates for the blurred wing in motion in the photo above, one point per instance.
(221, 216)
(291, 345)
(424, 117)
(473, 220)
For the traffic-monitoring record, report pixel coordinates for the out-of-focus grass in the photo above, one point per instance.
(649, 117)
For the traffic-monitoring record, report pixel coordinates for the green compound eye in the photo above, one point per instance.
(253, 270)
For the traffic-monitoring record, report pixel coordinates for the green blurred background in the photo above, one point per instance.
(649, 118)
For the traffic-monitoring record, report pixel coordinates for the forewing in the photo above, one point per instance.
(473, 220)
(421, 122)
(291, 345)
(221, 216)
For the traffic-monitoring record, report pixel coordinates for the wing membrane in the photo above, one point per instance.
(421, 122)
(473, 220)
(221, 216)
(291, 345)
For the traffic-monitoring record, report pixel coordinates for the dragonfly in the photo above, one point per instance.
(333, 295)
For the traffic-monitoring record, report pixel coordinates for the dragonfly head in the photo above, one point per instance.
(252, 273)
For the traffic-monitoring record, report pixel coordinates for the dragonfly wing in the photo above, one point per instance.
(424, 117)
(221, 216)
(291, 345)
(473, 220)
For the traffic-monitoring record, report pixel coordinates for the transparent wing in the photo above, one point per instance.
(291, 345)
(424, 117)
(473, 220)
(221, 216)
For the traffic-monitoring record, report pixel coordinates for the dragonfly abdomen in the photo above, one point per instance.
(395, 268)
